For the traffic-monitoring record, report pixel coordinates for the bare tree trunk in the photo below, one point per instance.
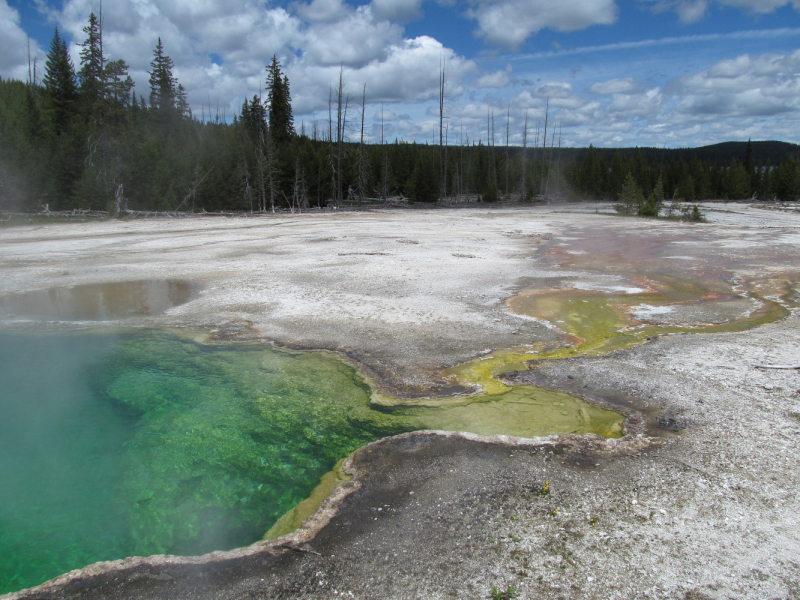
(442, 180)
(247, 192)
(192, 193)
(341, 125)
(535, 153)
(118, 200)
(446, 136)
(384, 165)
(558, 162)
(544, 144)
(508, 125)
(466, 175)
(489, 145)
(524, 155)
(550, 163)
(270, 168)
(461, 165)
(262, 192)
(494, 166)
(296, 186)
(361, 149)
(331, 159)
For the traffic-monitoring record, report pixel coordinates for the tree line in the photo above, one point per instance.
(81, 138)
(695, 179)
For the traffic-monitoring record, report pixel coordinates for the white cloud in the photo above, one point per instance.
(510, 22)
(691, 11)
(14, 56)
(742, 87)
(408, 72)
(637, 105)
(614, 86)
(354, 40)
(322, 11)
(555, 89)
(760, 6)
(498, 79)
(220, 48)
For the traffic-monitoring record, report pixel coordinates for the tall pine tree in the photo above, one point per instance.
(59, 83)
(163, 90)
(92, 73)
(279, 99)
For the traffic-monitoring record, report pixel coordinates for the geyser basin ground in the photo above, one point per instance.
(411, 293)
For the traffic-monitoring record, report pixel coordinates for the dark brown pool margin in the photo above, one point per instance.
(103, 578)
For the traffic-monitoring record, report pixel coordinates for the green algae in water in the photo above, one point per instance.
(143, 443)
(523, 411)
(138, 443)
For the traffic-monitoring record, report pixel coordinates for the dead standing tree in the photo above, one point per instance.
(266, 139)
(524, 156)
(331, 155)
(384, 165)
(442, 174)
(508, 125)
(361, 149)
(248, 195)
(299, 189)
(550, 162)
(191, 194)
(544, 145)
(342, 101)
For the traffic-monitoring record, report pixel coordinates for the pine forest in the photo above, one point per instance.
(78, 137)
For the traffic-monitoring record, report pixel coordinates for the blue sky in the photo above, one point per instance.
(616, 73)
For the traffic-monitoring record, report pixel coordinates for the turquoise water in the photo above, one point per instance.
(124, 444)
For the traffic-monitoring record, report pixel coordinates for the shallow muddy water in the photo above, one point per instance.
(99, 302)
(120, 443)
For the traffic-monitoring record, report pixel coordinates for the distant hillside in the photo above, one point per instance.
(762, 151)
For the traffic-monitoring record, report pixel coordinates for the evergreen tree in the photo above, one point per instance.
(631, 197)
(423, 186)
(92, 73)
(616, 173)
(162, 83)
(59, 84)
(182, 102)
(594, 170)
(738, 181)
(119, 84)
(652, 206)
(254, 118)
(279, 100)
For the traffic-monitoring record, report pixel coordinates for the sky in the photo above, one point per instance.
(616, 73)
